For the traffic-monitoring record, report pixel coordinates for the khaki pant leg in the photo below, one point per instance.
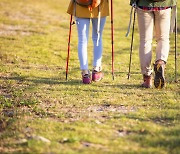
(162, 29)
(145, 24)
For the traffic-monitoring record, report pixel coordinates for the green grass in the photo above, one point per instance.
(41, 112)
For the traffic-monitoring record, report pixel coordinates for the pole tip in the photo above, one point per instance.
(66, 77)
(128, 76)
(113, 76)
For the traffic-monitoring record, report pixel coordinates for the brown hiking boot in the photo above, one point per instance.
(159, 79)
(147, 81)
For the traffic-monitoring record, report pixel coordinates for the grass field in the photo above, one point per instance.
(41, 112)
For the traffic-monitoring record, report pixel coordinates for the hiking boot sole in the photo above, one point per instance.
(159, 80)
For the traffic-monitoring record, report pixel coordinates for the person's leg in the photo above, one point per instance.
(98, 48)
(145, 24)
(83, 34)
(162, 27)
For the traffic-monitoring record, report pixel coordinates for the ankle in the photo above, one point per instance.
(84, 72)
(160, 61)
(97, 69)
(147, 76)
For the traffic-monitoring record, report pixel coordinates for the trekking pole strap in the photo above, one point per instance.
(173, 18)
(130, 19)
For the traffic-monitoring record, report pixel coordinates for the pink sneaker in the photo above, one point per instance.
(97, 76)
(86, 78)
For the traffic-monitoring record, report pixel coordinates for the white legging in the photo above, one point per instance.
(147, 20)
(83, 35)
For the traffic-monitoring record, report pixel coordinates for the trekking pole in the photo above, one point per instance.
(112, 39)
(176, 48)
(132, 41)
(69, 41)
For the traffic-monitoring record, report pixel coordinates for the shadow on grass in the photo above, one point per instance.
(126, 86)
(43, 80)
(59, 81)
(54, 81)
(123, 72)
